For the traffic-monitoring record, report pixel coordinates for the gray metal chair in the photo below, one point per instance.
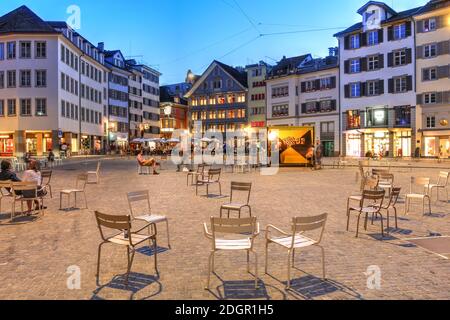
(237, 206)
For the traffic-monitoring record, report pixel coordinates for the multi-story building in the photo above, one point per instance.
(256, 79)
(377, 82)
(150, 94)
(135, 102)
(43, 86)
(174, 108)
(433, 78)
(118, 99)
(219, 99)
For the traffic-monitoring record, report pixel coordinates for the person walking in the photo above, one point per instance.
(318, 155)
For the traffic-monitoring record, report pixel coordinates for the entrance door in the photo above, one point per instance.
(328, 148)
(444, 148)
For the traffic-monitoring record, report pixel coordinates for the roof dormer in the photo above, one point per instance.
(373, 13)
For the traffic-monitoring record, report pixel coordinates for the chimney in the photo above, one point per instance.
(101, 46)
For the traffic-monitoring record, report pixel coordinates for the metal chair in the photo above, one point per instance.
(199, 173)
(236, 206)
(386, 182)
(5, 191)
(442, 184)
(18, 188)
(96, 173)
(213, 177)
(124, 238)
(391, 205)
(46, 176)
(246, 230)
(367, 183)
(80, 187)
(415, 184)
(144, 196)
(371, 203)
(297, 239)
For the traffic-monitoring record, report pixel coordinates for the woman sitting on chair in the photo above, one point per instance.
(147, 163)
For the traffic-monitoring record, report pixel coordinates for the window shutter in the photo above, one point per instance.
(390, 59)
(363, 39)
(381, 35)
(347, 66)
(425, 75)
(440, 22)
(347, 91)
(347, 42)
(443, 48)
(363, 86)
(318, 106)
(409, 83)
(439, 97)
(303, 86)
(419, 99)
(333, 105)
(419, 52)
(390, 33)
(363, 63)
(446, 97)
(381, 86)
(303, 107)
(333, 82)
(419, 26)
(381, 61)
(408, 28)
(391, 85)
(443, 72)
(317, 84)
(408, 56)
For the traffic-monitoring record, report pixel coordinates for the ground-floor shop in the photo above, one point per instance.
(384, 143)
(436, 144)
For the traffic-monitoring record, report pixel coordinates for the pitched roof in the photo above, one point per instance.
(166, 95)
(23, 20)
(240, 76)
(288, 65)
(376, 3)
(319, 64)
(398, 16)
(433, 5)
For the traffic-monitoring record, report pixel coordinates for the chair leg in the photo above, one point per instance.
(323, 263)
(289, 270)
(50, 189)
(168, 236)
(293, 257)
(220, 189)
(387, 220)
(348, 219)
(130, 263)
(248, 261)
(382, 227)
(209, 270)
(98, 262)
(155, 249)
(267, 257)
(250, 211)
(357, 225)
(395, 213)
(256, 270)
(60, 201)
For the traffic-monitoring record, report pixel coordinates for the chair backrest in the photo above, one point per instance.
(214, 174)
(419, 182)
(114, 222)
(395, 194)
(386, 177)
(139, 196)
(443, 178)
(24, 186)
(46, 176)
(233, 226)
(377, 172)
(371, 183)
(82, 181)
(241, 186)
(373, 198)
(303, 224)
(201, 168)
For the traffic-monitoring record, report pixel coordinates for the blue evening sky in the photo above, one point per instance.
(176, 35)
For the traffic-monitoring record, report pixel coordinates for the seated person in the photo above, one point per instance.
(7, 174)
(147, 163)
(32, 174)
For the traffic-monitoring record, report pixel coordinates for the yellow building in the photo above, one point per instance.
(433, 78)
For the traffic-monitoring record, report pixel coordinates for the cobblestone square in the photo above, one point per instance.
(35, 257)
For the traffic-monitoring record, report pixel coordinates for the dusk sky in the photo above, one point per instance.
(176, 35)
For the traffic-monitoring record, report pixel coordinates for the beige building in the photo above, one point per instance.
(433, 78)
(256, 79)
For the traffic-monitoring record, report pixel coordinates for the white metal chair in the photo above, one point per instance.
(46, 176)
(442, 184)
(96, 173)
(18, 189)
(124, 237)
(244, 231)
(5, 192)
(212, 177)
(196, 174)
(414, 194)
(386, 182)
(371, 203)
(297, 239)
(237, 206)
(144, 196)
(80, 187)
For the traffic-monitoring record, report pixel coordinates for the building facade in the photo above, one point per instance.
(174, 109)
(150, 94)
(135, 102)
(433, 79)
(377, 83)
(256, 79)
(219, 99)
(41, 87)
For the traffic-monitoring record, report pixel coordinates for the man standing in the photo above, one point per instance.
(319, 153)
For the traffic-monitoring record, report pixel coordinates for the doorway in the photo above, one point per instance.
(328, 148)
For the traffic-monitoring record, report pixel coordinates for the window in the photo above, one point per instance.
(12, 107)
(399, 57)
(355, 66)
(25, 107)
(430, 50)
(372, 38)
(41, 78)
(431, 122)
(310, 107)
(325, 83)
(63, 53)
(376, 117)
(41, 107)
(400, 31)
(25, 78)
(373, 88)
(355, 90)
(11, 78)
(373, 63)
(63, 108)
(280, 111)
(353, 119)
(217, 84)
(430, 74)
(25, 49)
(280, 92)
(327, 127)
(354, 41)
(2, 79)
(429, 25)
(2, 51)
(2, 108)
(41, 49)
(327, 106)
(309, 86)
(429, 98)
(402, 116)
(400, 85)
(11, 47)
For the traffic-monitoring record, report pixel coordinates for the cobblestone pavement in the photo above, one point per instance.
(35, 257)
